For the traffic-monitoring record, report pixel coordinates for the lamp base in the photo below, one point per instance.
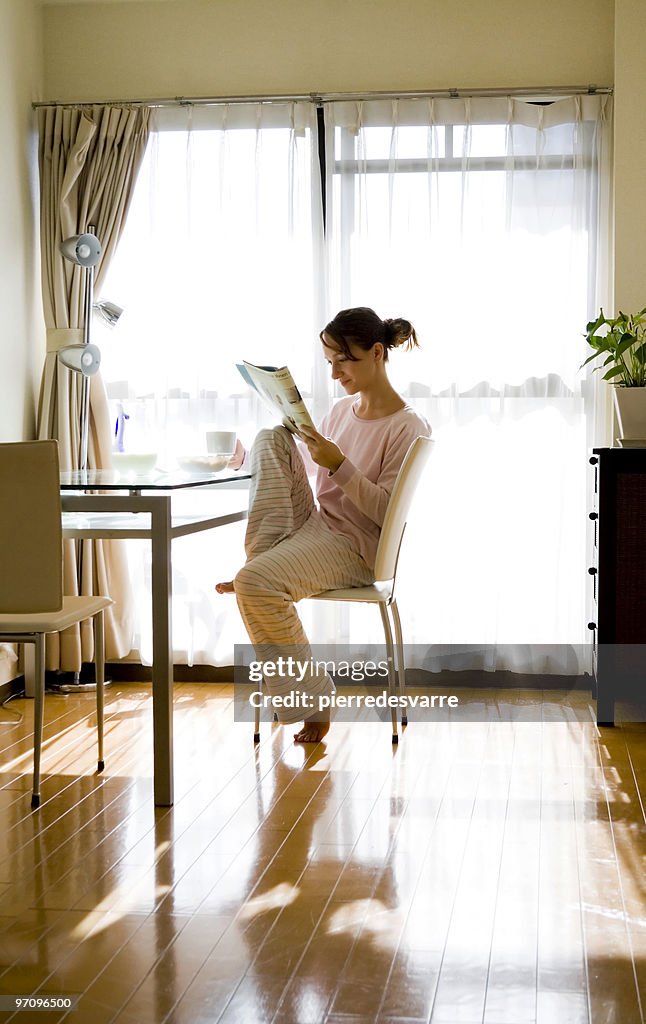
(79, 687)
(73, 682)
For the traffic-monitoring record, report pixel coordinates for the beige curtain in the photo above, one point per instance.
(89, 159)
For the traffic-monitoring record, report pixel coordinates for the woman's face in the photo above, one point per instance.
(354, 375)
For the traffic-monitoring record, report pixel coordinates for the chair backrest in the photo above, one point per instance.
(399, 506)
(31, 538)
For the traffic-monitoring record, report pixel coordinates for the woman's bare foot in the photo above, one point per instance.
(225, 588)
(312, 732)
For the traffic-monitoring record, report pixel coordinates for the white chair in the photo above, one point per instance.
(382, 591)
(31, 572)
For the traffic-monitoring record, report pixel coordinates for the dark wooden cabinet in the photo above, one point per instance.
(618, 572)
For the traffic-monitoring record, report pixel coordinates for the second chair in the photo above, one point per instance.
(32, 603)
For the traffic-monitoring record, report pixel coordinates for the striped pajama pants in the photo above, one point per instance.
(291, 554)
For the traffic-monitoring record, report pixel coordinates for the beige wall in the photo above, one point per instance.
(21, 334)
(630, 156)
(231, 47)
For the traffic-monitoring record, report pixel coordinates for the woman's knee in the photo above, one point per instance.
(250, 583)
(275, 437)
(243, 583)
(265, 578)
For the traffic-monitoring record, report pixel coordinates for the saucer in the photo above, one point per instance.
(202, 463)
(134, 462)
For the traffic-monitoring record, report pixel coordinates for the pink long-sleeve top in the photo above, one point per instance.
(353, 500)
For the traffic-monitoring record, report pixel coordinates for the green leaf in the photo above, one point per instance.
(600, 343)
(640, 353)
(595, 355)
(594, 325)
(626, 342)
(615, 372)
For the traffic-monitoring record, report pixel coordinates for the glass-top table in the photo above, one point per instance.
(106, 504)
(153, 480)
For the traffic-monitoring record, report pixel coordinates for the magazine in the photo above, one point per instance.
(276, 387)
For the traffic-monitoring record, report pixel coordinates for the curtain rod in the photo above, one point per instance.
(332, 97)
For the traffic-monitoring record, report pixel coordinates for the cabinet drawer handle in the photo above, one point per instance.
(593, 515)
(592, 625)
(593, 570)
(594, 460)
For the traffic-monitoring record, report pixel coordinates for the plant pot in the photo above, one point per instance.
(630, 405)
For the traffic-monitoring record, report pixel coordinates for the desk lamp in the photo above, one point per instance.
(85, 251)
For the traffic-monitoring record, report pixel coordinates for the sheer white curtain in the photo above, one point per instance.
(218, 262)
(482, 221)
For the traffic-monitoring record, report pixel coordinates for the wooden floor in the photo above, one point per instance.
(480, 873)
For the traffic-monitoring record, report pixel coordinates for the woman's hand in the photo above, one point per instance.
(237, 458)
(324, 452)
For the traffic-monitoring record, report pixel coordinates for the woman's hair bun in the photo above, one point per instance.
(362, 327)
(399, 332)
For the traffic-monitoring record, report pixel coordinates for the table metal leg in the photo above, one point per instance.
(162, 669)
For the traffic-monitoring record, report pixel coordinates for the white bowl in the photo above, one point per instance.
(202, 463)
(134, 462)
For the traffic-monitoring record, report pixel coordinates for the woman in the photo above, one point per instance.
(296, 546)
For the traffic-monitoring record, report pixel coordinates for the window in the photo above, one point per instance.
(481, 222)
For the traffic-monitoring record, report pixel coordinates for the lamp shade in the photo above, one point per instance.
(108, 311)
(85, 359)
(82, 249)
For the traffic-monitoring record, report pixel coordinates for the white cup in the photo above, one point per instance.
(220, 442)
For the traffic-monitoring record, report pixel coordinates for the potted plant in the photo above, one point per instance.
(622, 341)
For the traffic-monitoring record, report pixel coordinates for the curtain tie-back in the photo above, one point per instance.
(60, 337)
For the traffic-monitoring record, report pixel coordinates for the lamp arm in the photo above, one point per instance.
(88, 304)
(85, 384)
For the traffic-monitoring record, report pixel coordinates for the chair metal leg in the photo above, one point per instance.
(391, 666)
(39, 700)
(401, 667)
(256, 726)
(99, 663)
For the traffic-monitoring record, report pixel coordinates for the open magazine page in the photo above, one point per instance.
(276, 387)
